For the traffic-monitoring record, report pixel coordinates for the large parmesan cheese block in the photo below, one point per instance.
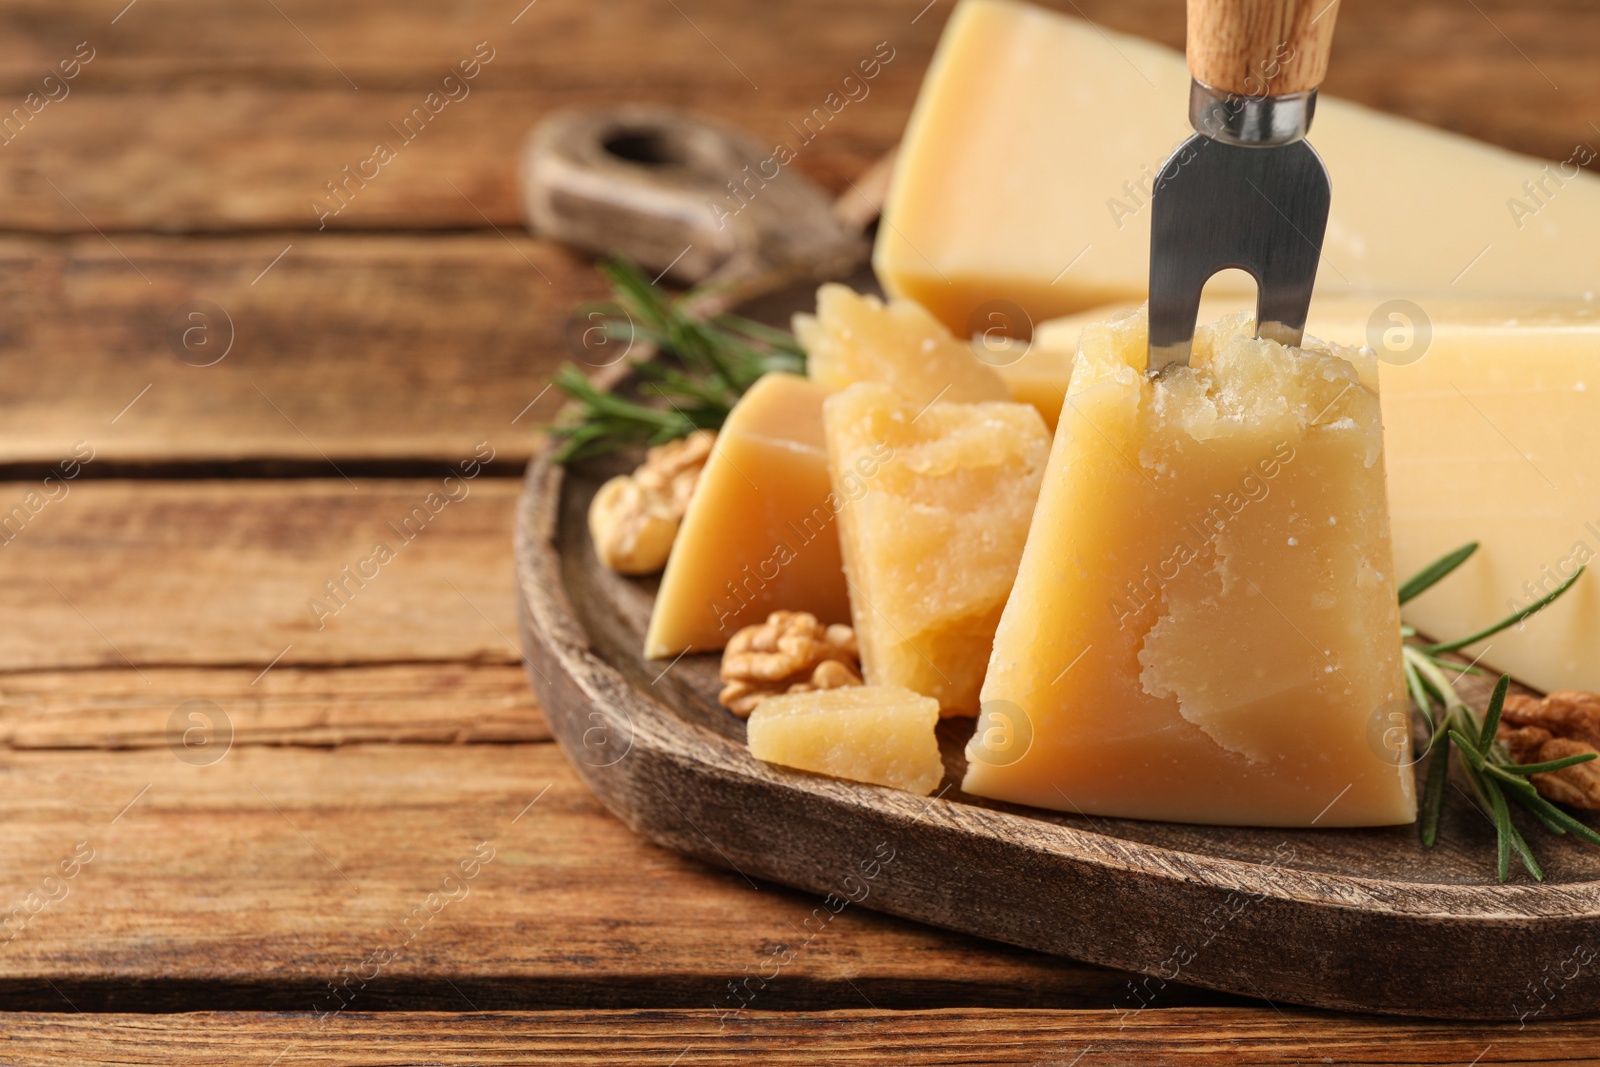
(936, 502)
(1204, 626)
(1492, 419)
(760, 534)
(1026, 169)
(1491, 413)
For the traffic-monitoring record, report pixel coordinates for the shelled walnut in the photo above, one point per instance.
(789, 653)
(1565, 723)
(634, 518)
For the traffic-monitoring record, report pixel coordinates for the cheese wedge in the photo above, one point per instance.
(1491, 414)
(1492, 419)
(857, 338)
(936, 503)
(1204, 626)
(760, 533)
(1026, 169)
(874, 734)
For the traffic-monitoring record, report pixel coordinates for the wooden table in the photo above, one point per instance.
(302, 835)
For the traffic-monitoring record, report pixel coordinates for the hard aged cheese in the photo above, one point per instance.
(857, 338)
(1491, 414)
(1026, 170)
(877, 734)
(1204, 626)
(1492, 420)
(1039, 375)
(937, 502)
(760, 532)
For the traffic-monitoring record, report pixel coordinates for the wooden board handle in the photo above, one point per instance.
(676, 192)
(1260, 47)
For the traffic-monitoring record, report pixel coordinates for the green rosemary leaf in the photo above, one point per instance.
(1468, 749)
(1523, 792)
(1420, 697)
(708, 363)
(1553, 765)
(1433, 791)
(1539, 805)
(1440, 567)
(1509, 621)
(1502, 826)
(1491, 717)
(637, 295)
(780, 340)
(1519, 845)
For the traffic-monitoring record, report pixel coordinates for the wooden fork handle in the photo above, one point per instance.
(1260, 47)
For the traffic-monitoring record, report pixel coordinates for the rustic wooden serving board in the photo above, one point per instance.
(1364, 920)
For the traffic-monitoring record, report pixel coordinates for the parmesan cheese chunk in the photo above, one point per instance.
(876, 734)
(1204, 626)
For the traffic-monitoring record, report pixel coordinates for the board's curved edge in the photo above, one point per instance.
(1357, 944)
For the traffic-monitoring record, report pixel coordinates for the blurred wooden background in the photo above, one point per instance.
(353, 766)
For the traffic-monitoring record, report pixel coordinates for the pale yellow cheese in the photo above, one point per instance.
(1039, 375)
(857, 338)
(1204, 627)
(761, 532)
(936, 503)
(1491, 414)
(877, 734)
(1493, 435)
(1025, 171)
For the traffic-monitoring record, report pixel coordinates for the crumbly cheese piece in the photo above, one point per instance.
(935, 505)
(858, 338)
(1204, 626)
(1026, 169)
(761, 532)
(877, 734)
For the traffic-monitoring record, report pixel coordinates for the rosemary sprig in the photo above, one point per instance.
(710, 361)
(1493, 779)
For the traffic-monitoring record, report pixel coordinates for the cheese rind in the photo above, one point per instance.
(875, 734)
(760, 534)
(1025, 173)
(935, 507)
(1204, 626)
(856, 337)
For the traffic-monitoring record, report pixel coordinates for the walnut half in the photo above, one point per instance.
(1565, 723)
(634, 518)
(789, 653)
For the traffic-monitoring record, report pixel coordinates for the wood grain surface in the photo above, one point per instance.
(256, 880)
(405, 703)
(237, 573)
(187, 122)
(1204, 1036)
(330, 350)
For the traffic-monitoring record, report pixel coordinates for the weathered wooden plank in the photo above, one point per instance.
(137, 574)
(260, 109)
(188, 709)
(1220, 1036)
(421, 876)
(290, 116)
(346, 349)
